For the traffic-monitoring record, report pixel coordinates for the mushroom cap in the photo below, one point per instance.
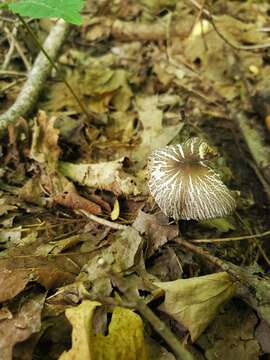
(184, 186)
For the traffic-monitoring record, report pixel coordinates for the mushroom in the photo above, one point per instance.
(183, 184)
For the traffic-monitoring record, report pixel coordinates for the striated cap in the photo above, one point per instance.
(184, 186)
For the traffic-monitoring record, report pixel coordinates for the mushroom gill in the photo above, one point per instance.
(184, 186)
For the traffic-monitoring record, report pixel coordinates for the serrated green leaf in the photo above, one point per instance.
(69, 10)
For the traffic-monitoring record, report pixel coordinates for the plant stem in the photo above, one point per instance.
(53, 64)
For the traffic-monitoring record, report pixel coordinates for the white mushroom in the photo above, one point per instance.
(184, 186)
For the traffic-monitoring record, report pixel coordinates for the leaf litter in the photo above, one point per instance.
(150, 73)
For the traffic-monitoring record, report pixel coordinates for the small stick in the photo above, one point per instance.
(54, 66)
(163, 330)
(237, 238)
(104, 222)
(159, 326)
(12, 37)
(36, 78)
(212, 18)
(12, 73)
(9, 53)
(200, 251)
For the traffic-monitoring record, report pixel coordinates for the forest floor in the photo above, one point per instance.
(90, 268)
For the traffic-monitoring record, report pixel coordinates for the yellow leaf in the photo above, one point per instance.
(195, 302)
(116, 210)
(81, 320)
(125, 340)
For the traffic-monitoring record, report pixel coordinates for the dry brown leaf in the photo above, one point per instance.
(156, 230)
(154, 134)
(23, 323)
(105, 175)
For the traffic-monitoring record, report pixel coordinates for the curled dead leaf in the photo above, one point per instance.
(196, 301)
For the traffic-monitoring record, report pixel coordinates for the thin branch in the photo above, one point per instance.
(104, 222)
(53, 64)
(12, 73)
(159, 326)
(236, 46)
(200, 251)
(12, 36)
(10, 50)
(237, 238)
(163, 330)
(212, 18)
(36, 79)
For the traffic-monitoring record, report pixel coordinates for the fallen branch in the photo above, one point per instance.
(129, 30)
(36, 78)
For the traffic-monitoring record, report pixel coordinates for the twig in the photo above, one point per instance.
(12, 73)
(212, 18)
(160, 327)
(200, 251)
(40, 71)
(198, 17)
(54, 66)
(104, 222)
(9, 53)
(163, 330)
(260, 176)
(139, 31)
(237, 238)
(236, 46)
(256, 240)
(200, 7)
(10, 85)
(12, 37)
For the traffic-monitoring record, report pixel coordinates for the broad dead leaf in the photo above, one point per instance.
(231, 335)
(44, 147)
(12, 282)
(25, 321)
(121, 255)
(105, 175)
(156, 230)
(154, 134)
(196, 301)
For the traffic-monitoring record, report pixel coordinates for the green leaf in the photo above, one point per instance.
(221, 224)
(69, 10)
(5, 5)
